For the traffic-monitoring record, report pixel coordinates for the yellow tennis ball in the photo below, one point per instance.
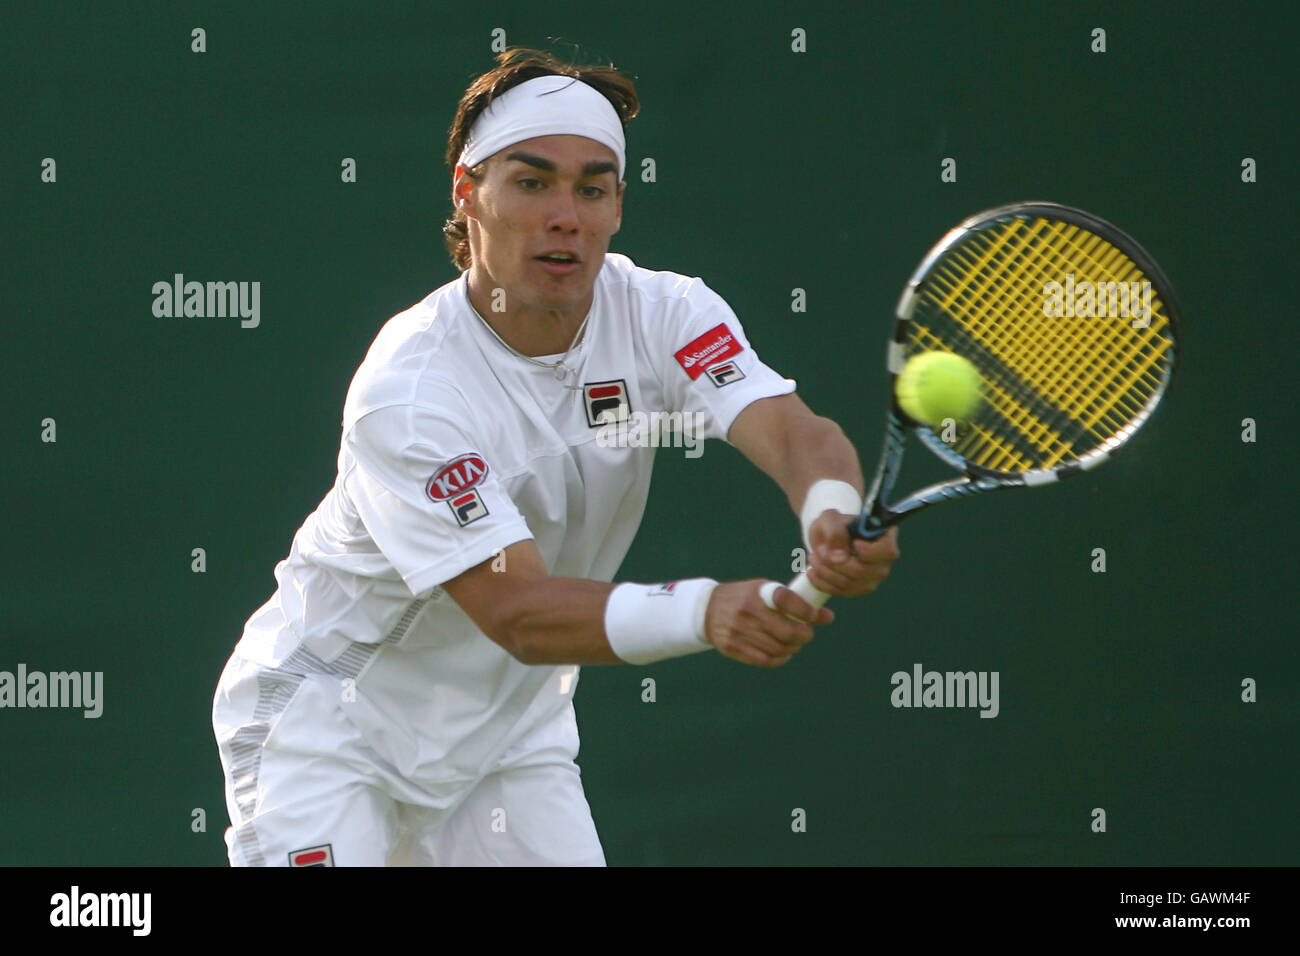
(936, 385)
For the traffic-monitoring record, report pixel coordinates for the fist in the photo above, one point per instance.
(845, 567)
(745, 629)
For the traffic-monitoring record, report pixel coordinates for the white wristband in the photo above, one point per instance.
(653, 622)
(828, 495)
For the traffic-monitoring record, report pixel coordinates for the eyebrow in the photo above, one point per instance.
(593, 168)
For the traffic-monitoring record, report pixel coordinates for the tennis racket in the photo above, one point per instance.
(1073, 329)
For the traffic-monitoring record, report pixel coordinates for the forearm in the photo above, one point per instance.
(544, 620)
(813, 452)
(541, 620)
(818, 449)
(557, 621)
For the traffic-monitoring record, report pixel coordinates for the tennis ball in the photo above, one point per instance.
(938, 385)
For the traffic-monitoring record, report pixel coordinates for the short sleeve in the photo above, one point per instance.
(428, 494)
(710, 366)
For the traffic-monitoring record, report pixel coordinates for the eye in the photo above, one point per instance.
(529, 179)
(598, 191)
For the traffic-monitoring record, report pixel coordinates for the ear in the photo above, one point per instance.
(462, 187)
(618, 218)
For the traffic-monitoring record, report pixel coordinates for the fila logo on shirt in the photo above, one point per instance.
(606, 399)
(455, 482)
(468, 507)
(708, 350)
(313, 856)
(724, 373)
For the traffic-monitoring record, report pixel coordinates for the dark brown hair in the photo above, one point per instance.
(514, 66)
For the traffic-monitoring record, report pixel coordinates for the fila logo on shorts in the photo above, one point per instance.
(312, 856)
(724, 373)
(454, 483)
(606, 400)
(708, 350)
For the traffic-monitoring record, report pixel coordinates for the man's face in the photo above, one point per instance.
(542, 195)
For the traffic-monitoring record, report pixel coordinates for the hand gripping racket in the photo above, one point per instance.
(1073, 329)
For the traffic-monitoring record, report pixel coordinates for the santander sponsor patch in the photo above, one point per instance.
(457, 477)
(710, 348)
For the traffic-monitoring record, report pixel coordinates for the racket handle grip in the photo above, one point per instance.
(804, 588)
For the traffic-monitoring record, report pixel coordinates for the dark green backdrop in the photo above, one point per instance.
(776, 170)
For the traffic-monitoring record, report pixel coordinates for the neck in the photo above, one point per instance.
(529, 331)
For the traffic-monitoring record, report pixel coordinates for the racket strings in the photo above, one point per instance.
(1055, 387)
(1081, 347)
(1077, 350)
(1017, 437)
(970, 291)
(987, 447)
(1108, 355)
(1110, 348)
(974, 290)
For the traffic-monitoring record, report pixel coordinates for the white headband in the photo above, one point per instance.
(544, 106)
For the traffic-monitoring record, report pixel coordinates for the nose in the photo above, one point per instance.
(563, 214)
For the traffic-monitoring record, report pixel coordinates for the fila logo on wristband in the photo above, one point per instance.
(642, 630)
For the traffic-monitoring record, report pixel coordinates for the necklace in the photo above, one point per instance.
(559, 369)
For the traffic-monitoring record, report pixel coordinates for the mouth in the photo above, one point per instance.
(557, 263)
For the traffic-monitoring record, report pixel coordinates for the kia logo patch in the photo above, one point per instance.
(457, 476)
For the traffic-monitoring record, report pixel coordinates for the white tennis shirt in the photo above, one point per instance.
(453, 448)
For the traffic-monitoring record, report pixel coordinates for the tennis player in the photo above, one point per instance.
(406, 695)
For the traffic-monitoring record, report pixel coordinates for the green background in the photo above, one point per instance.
(776, 171)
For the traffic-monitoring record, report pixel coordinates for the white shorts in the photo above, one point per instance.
(303, 788)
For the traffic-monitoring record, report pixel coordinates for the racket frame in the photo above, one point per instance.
(878, 515)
